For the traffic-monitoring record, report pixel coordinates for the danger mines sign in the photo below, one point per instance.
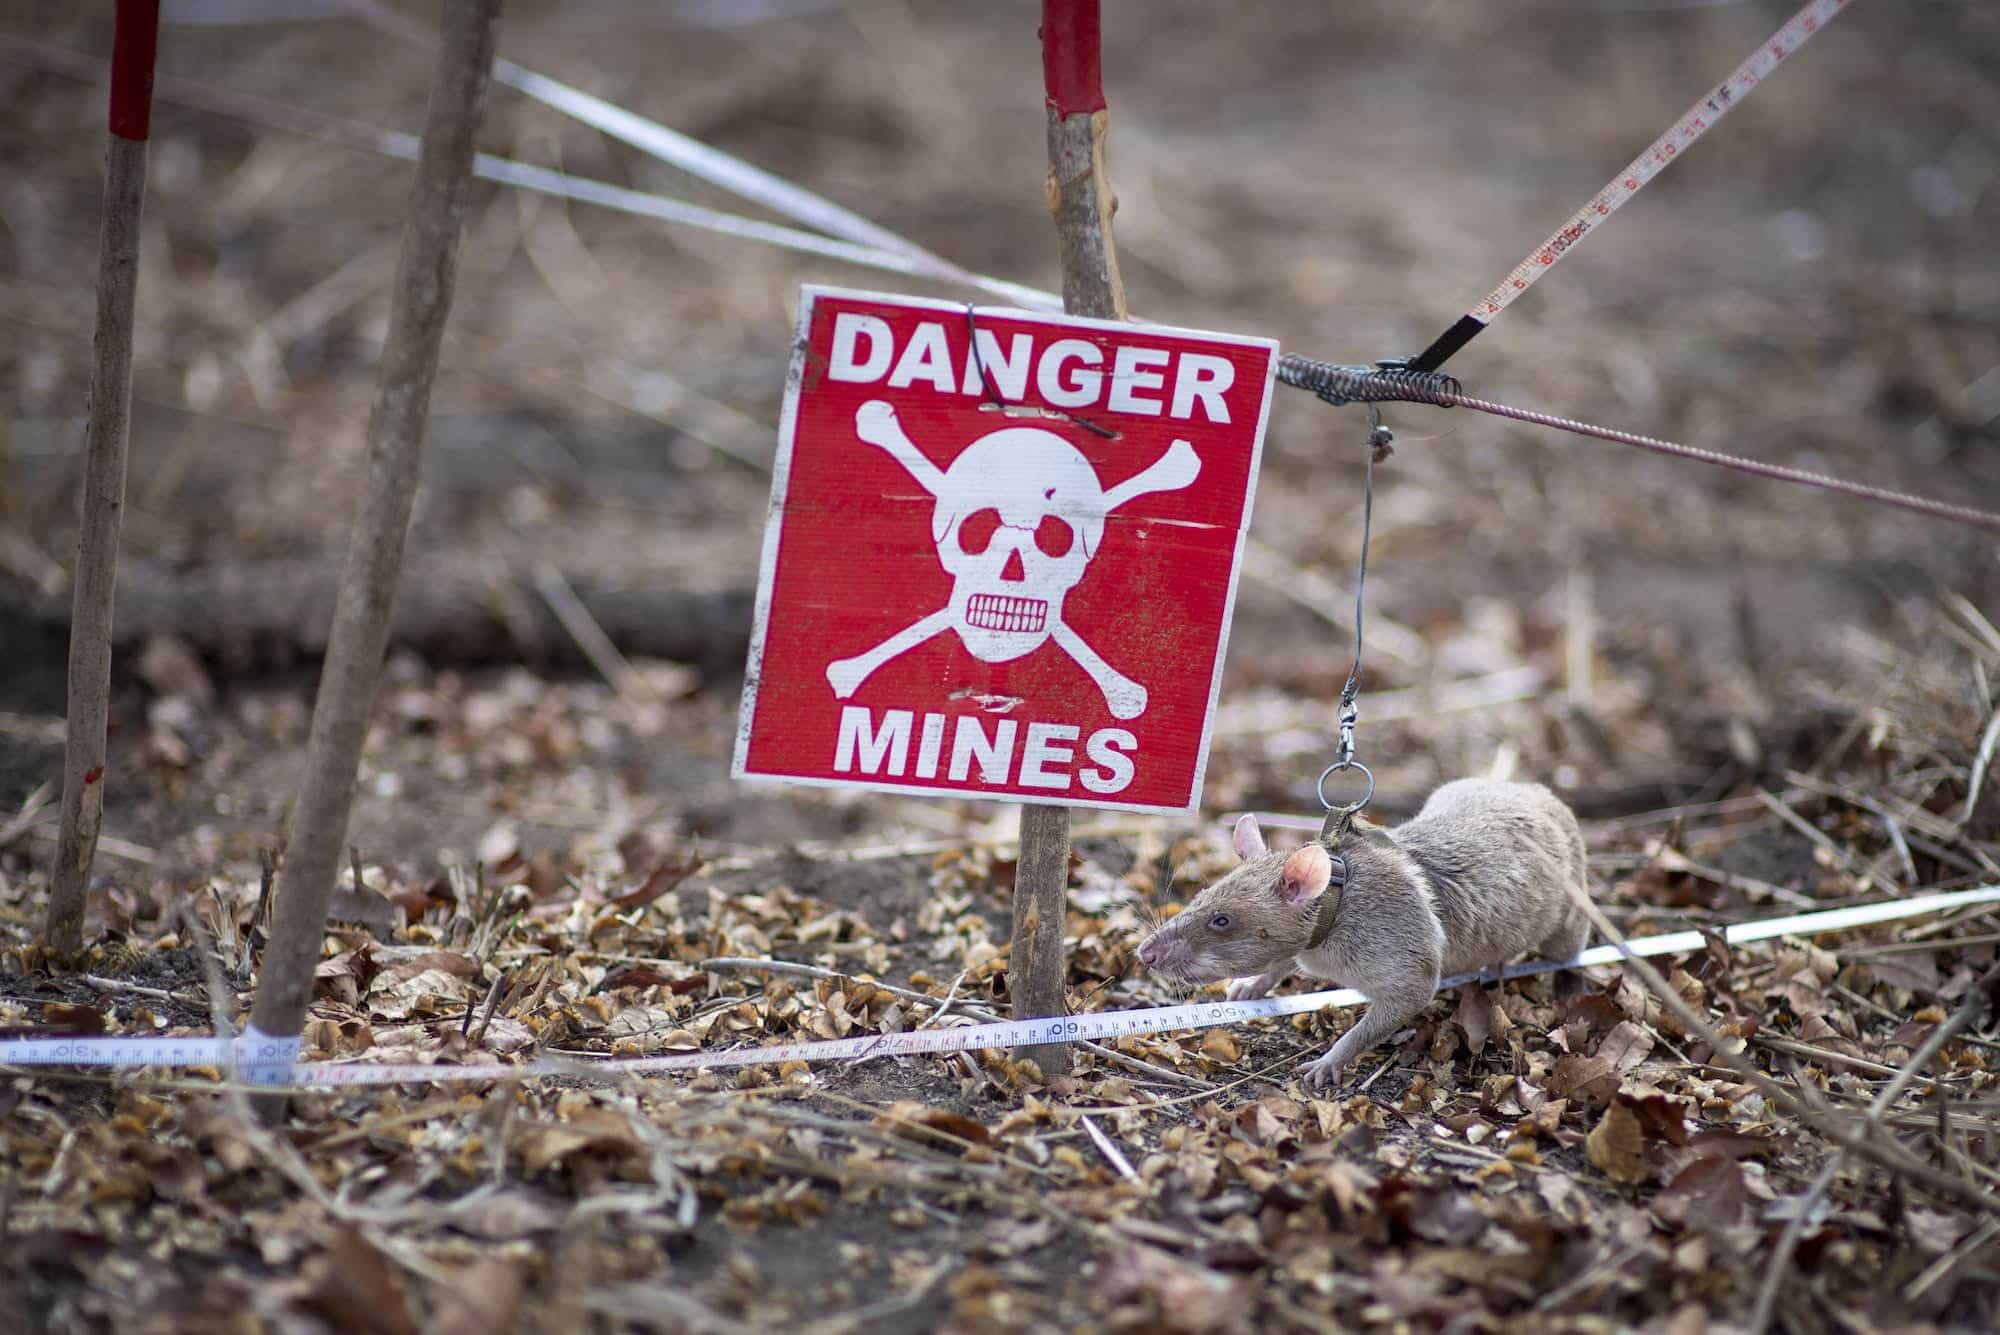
(1001, 554)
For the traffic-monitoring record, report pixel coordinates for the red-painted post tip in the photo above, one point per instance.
(1072, 56)
(135, 41)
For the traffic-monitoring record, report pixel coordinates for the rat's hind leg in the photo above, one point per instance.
(1566, 943)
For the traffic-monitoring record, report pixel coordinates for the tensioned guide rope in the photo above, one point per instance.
(1924, 505)
(1398, 384)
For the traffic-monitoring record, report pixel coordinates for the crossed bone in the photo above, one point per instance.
(875, 423)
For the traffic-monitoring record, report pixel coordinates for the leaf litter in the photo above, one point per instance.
(1549, 1151)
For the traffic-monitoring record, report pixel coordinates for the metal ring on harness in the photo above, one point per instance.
(1335, 768)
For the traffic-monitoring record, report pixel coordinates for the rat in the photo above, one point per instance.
(1486, 871)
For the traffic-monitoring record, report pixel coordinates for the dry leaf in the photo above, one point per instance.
(1173, 1293)
(1707, 1195)
(73, 1019)
(543, 1145)
(353, 1285)
(1661, 1115)
(1218, 1045)
(483, 1298)
(1586, 1080)
(501, 1214)
(429, 993)
(1618, 1144)
(1474, 1017)
(933, 1126)
(663, 877)
(1625, 1046)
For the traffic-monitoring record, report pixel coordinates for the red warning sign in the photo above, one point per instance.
(1002, 553)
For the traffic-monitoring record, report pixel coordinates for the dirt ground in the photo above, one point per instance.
(1663, 643)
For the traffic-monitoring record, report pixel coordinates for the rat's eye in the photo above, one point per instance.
(1220, 922)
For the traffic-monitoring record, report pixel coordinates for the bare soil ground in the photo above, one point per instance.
(1755, 696)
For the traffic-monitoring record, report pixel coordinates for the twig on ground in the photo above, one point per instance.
(1112, 1154)
(1941, 1269)
(46, 731)
(657, 1306)
(1672, 860)
(500, 981)
(1596, 831)
(1820, 1054)
(908, 1297)
(134, 989)
(1376, 1074)
(1891, 1157)
(1781, 1258)
(1267, 714)
(17, 824)
(1842, 857)
(1915, 948)
(936, 1017)
(1989, 740)
(1591, 1274)
(589, 636)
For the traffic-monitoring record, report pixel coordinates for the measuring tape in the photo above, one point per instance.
(1699, 118)
(265, 1060)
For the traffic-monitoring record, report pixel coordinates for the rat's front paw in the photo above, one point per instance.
(1322, 1075)
(1248, 989)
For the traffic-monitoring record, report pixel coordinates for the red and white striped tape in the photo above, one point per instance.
(264, 1060)
(1696, 122)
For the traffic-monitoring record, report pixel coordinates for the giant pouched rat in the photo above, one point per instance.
(1485, 872)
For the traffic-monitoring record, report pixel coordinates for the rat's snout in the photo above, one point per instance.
(1161, 950)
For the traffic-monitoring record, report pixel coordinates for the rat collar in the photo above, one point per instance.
(1339, 825)
(1329, 909)
(1339, 828)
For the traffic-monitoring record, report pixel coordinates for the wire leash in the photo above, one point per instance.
(1339, 818)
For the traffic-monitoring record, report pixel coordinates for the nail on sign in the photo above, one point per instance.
(1027, 601)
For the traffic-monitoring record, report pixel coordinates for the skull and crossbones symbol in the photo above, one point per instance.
(1016, 520)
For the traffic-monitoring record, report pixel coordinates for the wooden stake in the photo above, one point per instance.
(135, 39)
(374, 557)
(1081, 200)
(1079, 193)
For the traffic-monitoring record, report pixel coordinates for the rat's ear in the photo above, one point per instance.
(1248, 839)
(1305, 874)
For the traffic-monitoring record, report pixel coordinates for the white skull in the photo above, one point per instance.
(1016, 520)
(1019, 516)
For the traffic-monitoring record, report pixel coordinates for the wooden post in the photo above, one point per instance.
(1081, 200)
(1079, 193)
(368, 580)
(135, 38)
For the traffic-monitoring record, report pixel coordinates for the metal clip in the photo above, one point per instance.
(1349, 716)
